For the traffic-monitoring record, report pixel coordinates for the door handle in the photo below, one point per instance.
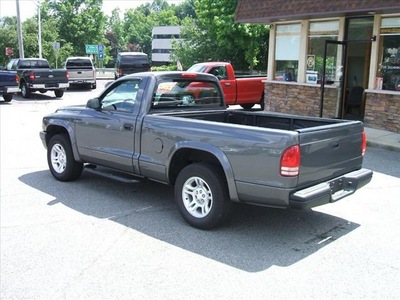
(128, 126)
(227, 84)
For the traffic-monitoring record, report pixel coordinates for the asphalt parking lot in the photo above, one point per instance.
(100, 239)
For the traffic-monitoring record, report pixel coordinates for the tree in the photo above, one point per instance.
(80, 22)
(8, 38)
(214, 35)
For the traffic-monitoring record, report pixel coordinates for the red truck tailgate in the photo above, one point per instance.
(329, 152)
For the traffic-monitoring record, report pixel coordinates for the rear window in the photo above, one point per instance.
(79, 64)
(33, 64)
(134, 59)
(181, 93)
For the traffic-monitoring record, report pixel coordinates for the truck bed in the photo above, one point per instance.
(329, 147)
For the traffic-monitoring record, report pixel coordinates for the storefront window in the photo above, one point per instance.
(388, 77)
(319, 33)
(287, 49)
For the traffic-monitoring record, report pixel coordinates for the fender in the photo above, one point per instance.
(68, 126)
(214, 151)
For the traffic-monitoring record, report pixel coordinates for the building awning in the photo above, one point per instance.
(269, 11)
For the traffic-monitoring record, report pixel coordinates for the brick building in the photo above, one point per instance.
(337, 59)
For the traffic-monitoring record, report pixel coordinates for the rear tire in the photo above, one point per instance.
(201, 194)
(25, 90)
(61, 160)
(262, 102)
(7, 97)
(59, 93)
(247, 106)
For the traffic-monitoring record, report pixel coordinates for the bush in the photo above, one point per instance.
(164, 68)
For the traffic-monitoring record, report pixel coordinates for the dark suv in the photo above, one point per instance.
(131, 62)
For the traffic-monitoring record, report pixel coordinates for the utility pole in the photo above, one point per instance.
(39, 31)
(20, 40)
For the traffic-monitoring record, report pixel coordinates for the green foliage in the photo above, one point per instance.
(80, 22)
(214, 35)
(207, 26)
(8, 38)
(172, 67)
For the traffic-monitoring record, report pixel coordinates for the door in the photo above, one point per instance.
(352, 72)
(335, 55)
(106, 136)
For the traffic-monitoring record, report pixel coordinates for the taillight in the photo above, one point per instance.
(290, 161)
(189, 75)
(120, 72)
(364, 143)
(17, 78)
(67, 74)
(32, 76)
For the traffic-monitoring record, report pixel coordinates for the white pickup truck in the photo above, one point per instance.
(81, 71)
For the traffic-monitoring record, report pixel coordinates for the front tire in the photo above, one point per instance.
(25, 90)
(61, 160)
(201, 194)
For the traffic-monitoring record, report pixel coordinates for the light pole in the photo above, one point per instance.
(20, 40)
(39, 31)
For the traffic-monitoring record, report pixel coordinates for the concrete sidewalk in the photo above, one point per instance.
(383, 139)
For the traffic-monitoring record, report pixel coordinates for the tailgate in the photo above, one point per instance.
(81, 74)
(51, 76)
(329, 151)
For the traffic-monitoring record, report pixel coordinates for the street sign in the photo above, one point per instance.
(9, 51)
(92, 49)
(56, 45)
(101, 51)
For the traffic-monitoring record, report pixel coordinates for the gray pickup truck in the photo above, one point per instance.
(81, 71)
(174, 128)
(35, 74)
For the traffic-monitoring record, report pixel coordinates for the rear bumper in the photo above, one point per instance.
(330, 191)
(82, 81)
(10, 90)
(55, 86)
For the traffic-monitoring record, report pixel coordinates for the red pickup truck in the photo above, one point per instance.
(245, 91)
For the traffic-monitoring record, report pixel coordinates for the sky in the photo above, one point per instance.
(28, 8)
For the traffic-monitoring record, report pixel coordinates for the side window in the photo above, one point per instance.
(11, 65)
(122, 97)
(219, 72)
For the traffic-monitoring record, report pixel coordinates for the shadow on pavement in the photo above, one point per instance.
(255, 239)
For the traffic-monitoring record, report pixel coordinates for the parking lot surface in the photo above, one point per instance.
(100, 239)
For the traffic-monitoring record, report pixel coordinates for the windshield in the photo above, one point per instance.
(187, 94)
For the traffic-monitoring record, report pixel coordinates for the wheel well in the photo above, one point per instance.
(22, 80)
(54, 130)
(185, 157)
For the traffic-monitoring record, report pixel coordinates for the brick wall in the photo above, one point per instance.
(382, 110)
(299, 99)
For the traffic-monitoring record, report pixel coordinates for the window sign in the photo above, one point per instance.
(287, 51)
(388, 77)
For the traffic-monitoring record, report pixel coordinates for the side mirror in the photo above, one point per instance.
(93, 103)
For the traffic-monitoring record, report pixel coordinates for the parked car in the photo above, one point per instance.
(152, 126)
(131, 62)
(246, 90)
(81, 71)
(8, 84)
(35, 74)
